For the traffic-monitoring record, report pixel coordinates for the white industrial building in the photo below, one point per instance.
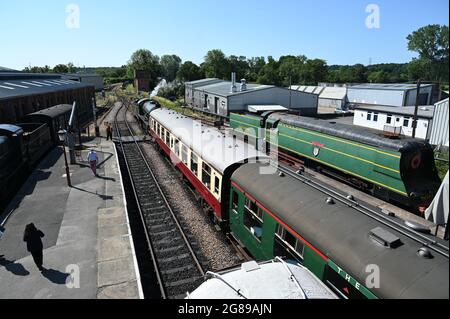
(95, 80)
(223, 97)
(390, 94)
(439, 130)
(334, 98)
(395, 121)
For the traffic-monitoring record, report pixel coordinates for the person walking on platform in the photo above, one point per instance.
(32, 236)
(109, 132)
(93, 160)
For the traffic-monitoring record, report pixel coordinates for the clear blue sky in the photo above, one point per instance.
(35, 32)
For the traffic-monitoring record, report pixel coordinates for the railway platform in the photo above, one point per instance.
(88, 246)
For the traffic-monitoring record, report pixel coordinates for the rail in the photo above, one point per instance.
(144, 183)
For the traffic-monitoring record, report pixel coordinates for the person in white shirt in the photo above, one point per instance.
(93, 160)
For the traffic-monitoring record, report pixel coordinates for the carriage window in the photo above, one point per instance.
(194, 164)
(167, 138)
(294, 244)
(253, 219)
(177, 147)
(171, 142)
(184, 156)
(163, 132)
(235, 201)
(369, 116)
(216, 185)
(206, 175)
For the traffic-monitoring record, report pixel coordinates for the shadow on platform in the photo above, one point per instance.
(104, 197)
(55, 276)
(14, 268)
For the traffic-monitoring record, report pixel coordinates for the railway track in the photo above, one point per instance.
(425, 240)
(178, 269)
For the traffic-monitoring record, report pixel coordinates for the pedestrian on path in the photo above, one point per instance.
(32, 236)
(109, 132)
(93, 160)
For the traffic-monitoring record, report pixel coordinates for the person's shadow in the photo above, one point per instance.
(13, 267)
(55, 276)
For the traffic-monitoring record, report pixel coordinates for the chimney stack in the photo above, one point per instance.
(233, 83)
(243, 85)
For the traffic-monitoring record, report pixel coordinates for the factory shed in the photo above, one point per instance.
(23, 93)
(224, 97)
(329, 97)
(390, 94)
(191, 95)
(439, 130)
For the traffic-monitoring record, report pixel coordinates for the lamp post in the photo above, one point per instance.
(62, 134)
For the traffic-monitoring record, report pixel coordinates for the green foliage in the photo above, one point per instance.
(173, 93)
(189, 72)
(170, 66)
(145, 60)
(216, 65)
(432, 44)
(442, 166)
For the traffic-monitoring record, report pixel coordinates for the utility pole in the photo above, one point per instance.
(416, 110)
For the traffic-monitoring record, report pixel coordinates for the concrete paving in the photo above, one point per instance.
(88, 248)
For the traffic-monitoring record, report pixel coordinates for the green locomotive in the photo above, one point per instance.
(399, 170)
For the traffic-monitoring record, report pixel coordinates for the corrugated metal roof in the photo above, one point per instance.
(387, 86)
(223, 88)
(198, 82)
(440, 127)
(24, 87)
(336, 93)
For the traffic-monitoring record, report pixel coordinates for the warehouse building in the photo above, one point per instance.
(95, 80)
(24, 93)
(191, 94)
(439, 129)
(223, 97)
(390, 94)
(331, 98)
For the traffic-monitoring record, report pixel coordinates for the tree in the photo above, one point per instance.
(189, 72)
(378, 77)
(315, 71)
(170, 65)
(61, 68)
(145, 60)
(269, 73)
(432, 44)
(216, 65)
(255, 65)
(238, 65)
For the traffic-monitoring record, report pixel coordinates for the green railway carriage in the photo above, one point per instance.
(392, 169)
(274, 215)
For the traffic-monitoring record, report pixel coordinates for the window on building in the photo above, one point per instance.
(292, 243)
(235, 201)
(369, 116)
(253, 218)
(389, 119)
(206, 175)
(184, 155)
(194, 164)
(216, 185)
(375, 117)
(406, 122)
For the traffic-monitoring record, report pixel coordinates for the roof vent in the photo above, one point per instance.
(384, 238)
(330, 201)
(425, 253)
